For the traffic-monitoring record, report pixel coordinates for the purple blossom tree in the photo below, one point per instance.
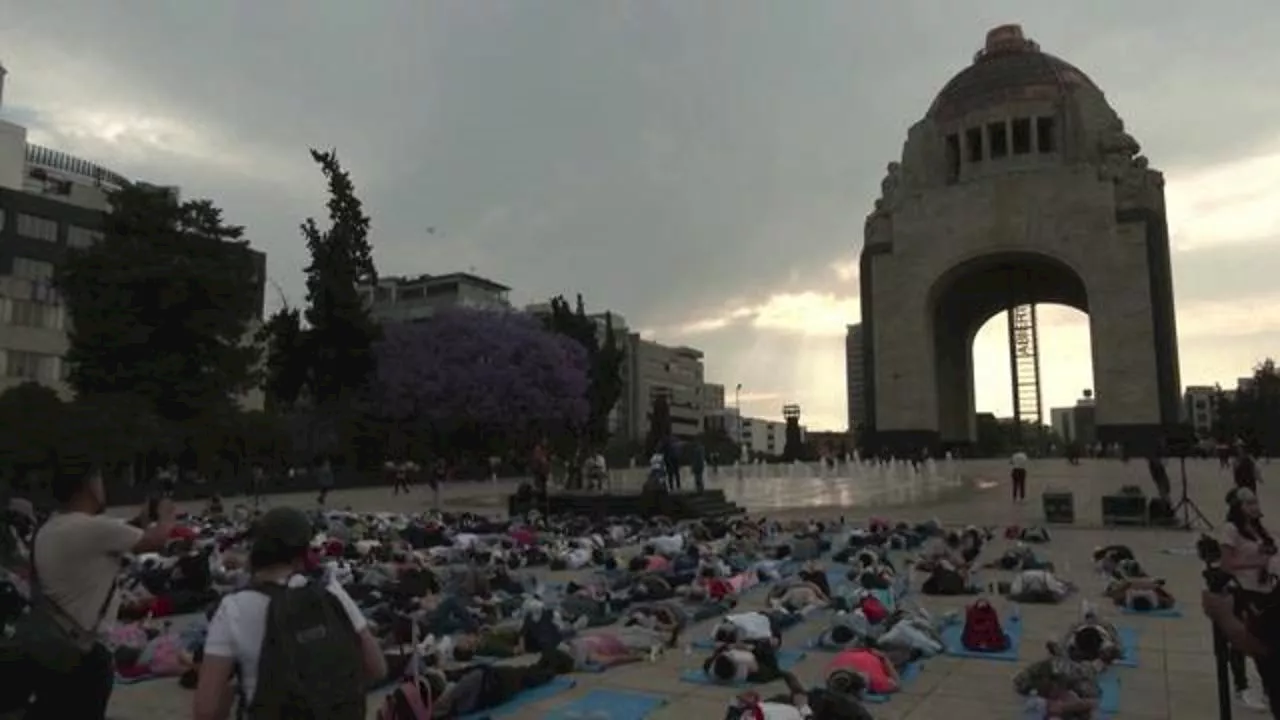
(479, 380)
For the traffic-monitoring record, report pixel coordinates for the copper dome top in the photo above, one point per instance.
(1009, 67)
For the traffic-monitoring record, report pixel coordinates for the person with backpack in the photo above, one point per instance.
(75, 567)
(296, 648)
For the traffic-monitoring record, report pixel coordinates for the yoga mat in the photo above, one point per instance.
(1012, 629)
(1162, 613)
(787, 659)
(121, 680)
(524, 699)
(1109, 702)
(909, 673)
(1128, 644)
(612, 704)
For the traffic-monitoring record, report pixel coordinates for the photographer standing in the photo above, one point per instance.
(1247, 549)
(1257, 635)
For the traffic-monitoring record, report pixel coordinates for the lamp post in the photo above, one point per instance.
(737, 410)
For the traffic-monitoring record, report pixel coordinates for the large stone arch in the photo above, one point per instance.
(964, 298)
(1020, 185)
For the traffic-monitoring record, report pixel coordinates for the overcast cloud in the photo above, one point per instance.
(702, 168)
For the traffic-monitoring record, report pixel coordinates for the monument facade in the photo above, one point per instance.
(1020, 186)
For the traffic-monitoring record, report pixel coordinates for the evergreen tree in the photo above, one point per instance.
(160, 306)
(1252, 412)
(340, 332)
(287, 364)
(604, 357)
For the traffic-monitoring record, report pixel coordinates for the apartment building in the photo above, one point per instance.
(408, 299)
(855, 382)
(651, 369)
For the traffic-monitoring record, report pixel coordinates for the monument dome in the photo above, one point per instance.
(1009, 67)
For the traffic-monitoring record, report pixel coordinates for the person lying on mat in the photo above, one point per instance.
(1091, 640)
(797, 596)
(667, 617)
(1038, 586)
(858, 670)
(604, 648)
(1140, 594)
(1057, 684)
(912, 631)
(754, 662)
(473, 689)
(816, 704)
(848, 629)
(1107, 558)
(1018, 558)
(754, 627)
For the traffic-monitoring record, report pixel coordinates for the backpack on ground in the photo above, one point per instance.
(982, 629)
(411, 700)
(310, 665)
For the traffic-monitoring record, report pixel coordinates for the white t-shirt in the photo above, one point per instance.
(238, 626)
(668, 544)
(78, 558)
(752, 625)
(1019, 461)
(1248, 550)
(780, 711)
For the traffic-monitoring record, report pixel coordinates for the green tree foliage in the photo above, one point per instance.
(659, 422)
(287, 364)
(340, 332)
(1252, 412)
(605, 356)
(160, 307)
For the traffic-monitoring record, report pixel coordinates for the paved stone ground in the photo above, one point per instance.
(1174, 679)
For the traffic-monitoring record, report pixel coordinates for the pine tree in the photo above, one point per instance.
(160, 306)
(340, 332)
(605, 358)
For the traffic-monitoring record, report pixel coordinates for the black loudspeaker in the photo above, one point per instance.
(1059, 507)
(1124, 510)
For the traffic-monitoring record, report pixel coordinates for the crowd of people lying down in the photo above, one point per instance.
(434, 598)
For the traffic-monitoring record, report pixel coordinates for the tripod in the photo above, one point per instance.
(1190, 511)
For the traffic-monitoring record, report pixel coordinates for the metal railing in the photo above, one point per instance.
(63, 162)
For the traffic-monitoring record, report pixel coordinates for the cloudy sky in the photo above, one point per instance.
(701, 167)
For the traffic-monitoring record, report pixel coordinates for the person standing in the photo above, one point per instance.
(1018, 473)
(1247, 550)
(76, 561)
(540, 467)
(698, 466)
(439, 474)
(400, 477)
(1245, 469)
(324, 478)
(671, 459)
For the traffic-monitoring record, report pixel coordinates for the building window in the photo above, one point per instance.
(26, 365)
(973, 144)
(37, 228)
(1046, 137)
(998, 139)
(25, 313)
(953, 158)
(78, 237)
(1022, 136)
(29, 269)
(448, 288)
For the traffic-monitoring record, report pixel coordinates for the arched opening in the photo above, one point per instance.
(964, 300)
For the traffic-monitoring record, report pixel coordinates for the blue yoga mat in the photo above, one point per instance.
(787, 659)
(1109, 684)
(613, 704)
(1129, 644)
(1012, 629)
(524, 699)
(1163, 613)
(909, 673)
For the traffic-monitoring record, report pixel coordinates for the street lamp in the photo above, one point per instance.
(737, 410)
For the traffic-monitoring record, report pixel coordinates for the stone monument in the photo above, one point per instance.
(1019, 186)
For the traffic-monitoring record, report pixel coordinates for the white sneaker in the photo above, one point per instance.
(1248, 699)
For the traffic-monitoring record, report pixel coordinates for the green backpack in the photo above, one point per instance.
(310, 665)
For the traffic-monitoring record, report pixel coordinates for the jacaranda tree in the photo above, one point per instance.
(466, 381)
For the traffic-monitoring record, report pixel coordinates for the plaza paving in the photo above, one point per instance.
(1175, 674)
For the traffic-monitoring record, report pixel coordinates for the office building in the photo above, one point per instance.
(406, 299)
(1076, 424)
(761, 437)
(651, 369)
(1200, 405)
(855, 384)
(49, 201)
(712, 397)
